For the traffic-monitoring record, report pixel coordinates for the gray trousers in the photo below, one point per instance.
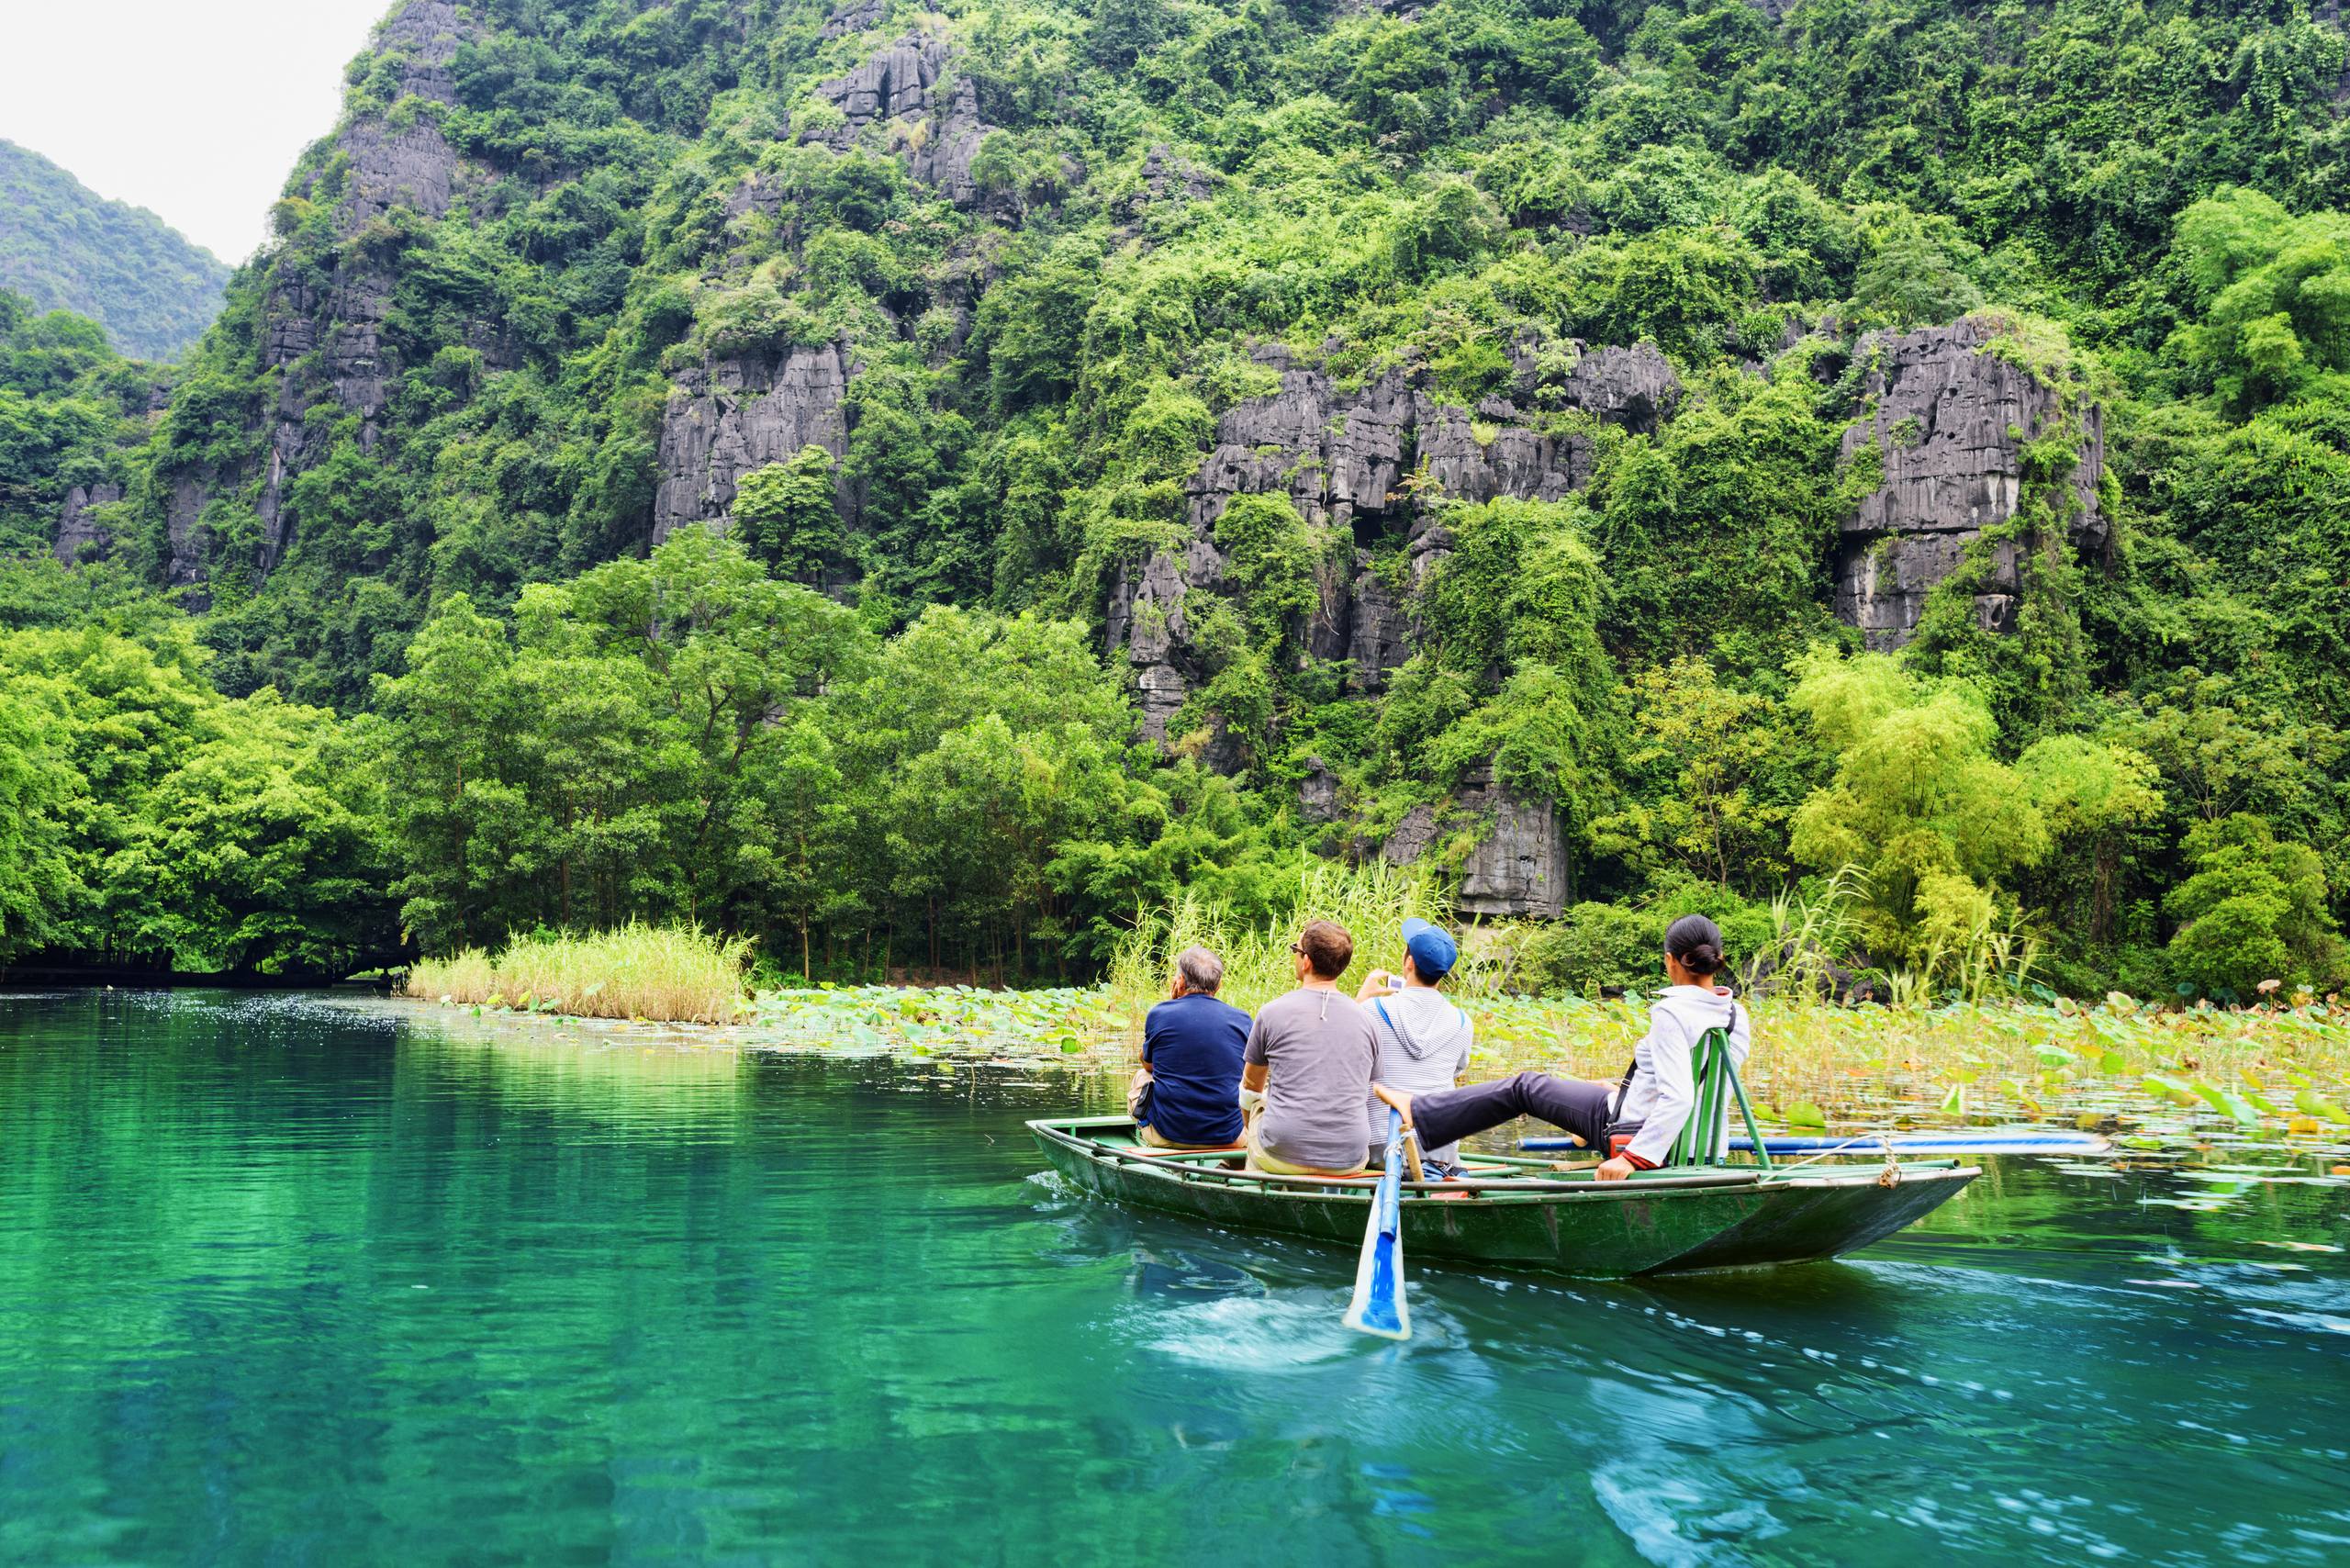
(1570, 1103)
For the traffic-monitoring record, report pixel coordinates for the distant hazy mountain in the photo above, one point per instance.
(64, 247)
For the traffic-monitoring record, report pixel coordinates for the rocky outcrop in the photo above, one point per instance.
(1951, 418)
(1318, 793)
(424, 34)
(186, 554)
(1634, 387)
(324, 312)
(401, 159)
(1147, 619)
(412, 167)
(856, 17)
(1378, 635)
(80, 534)
(1336, 453)
(1374, 462)
(926, 111)
(736, 415)
(1165, 181)
(1342, 455)
(1517, 863)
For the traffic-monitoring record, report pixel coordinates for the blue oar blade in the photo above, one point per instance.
(1378, 1305)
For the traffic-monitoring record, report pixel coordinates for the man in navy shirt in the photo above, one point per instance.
(1190, 1047)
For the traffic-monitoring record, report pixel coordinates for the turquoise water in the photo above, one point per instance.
(284, 1281)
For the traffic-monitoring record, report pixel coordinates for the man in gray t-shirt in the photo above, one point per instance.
(1308, 1060)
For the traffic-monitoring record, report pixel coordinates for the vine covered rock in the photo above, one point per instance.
(1951, 415)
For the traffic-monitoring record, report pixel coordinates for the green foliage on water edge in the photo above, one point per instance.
(145, 818)
(896, 741)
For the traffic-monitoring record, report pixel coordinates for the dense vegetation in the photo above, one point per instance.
(68, 408)
(872, 725)
(64, 247)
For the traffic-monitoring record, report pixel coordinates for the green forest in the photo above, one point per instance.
(64, 247)
(916, 487)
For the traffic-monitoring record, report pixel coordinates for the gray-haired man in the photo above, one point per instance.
(1192, 1045)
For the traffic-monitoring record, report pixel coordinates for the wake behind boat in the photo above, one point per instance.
(1518, 1213)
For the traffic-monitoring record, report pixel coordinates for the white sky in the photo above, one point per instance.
(195, 109)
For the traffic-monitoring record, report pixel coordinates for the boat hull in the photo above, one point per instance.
(1735, 1218)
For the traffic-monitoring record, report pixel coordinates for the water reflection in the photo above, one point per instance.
(281, 1279)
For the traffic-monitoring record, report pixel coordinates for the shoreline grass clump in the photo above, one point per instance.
(666, 974)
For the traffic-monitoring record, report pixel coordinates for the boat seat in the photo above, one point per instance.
(1348, 1181)
(1155, 1152)
(1718, 1088)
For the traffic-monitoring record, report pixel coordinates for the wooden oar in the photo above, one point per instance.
(1378, 1305)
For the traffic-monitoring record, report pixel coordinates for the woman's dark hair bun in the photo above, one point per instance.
(1696, 941)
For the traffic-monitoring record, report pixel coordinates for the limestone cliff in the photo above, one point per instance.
(324, 313)
(917, 104)
(736, 415)
(1950, 417)
(79, 533)
(1517, 860)
(1374, 464)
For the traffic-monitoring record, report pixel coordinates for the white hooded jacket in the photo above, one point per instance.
(1663, 1089)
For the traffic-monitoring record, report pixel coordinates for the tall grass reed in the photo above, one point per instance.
(671, 974)
(1372, 901)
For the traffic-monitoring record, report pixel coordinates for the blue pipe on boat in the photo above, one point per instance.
(1895, 1143)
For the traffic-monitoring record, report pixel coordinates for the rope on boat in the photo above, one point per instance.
(1886, 1178)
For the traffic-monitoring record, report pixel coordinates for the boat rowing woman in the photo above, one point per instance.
(1644, 1112)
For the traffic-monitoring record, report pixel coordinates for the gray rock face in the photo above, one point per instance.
(928, 112)
(1165, 181)
(412, 167)
(1318, 793)
(1371, 460)
(322, 329)
(80, 535)
(1146, 620)
(186, 556)
(425, 34)
(736, 415)
(1379, 636)
(1341, 456)
(856, 17)
(327, 342)
(1950, 421)
(1520, 867)
(894, 84)
(1378, 461)
(1335, 453)
(1518, 860)
(1634, 387)
(410, 164)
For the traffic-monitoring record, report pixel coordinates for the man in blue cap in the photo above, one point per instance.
(1423, 1039)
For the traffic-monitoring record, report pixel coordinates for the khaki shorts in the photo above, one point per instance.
(1273, 1165)
(1149, 1135)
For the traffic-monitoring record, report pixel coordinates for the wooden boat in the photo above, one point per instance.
(1513, 1212)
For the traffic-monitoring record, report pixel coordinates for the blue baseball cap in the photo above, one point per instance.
(1433, 952)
